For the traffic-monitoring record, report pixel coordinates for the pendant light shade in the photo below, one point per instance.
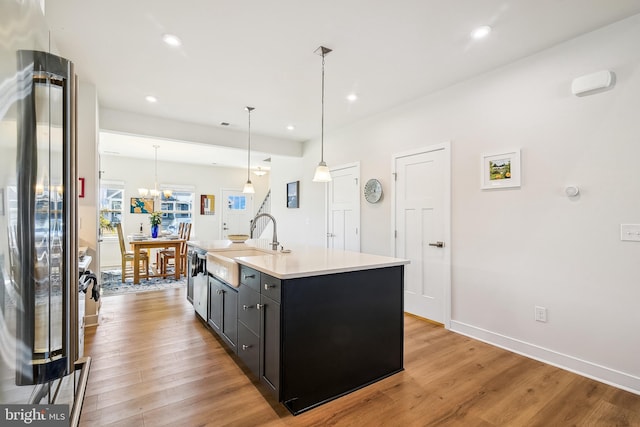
(248, 186)
(322, 171)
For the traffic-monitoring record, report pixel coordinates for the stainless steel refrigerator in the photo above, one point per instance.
(45, 251)
(40, 324)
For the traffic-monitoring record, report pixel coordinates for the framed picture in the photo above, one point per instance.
(292, 194)
(81, 188)
(207, 204)
(141, 206)
(500, 170)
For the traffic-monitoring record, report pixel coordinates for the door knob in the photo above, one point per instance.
(437, 244)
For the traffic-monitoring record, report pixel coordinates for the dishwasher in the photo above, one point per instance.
(198, 276)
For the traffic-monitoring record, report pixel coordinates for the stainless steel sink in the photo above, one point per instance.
(223, 265)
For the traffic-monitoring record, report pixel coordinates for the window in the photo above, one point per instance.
(237, 203)
(111, 205)
(176, 209)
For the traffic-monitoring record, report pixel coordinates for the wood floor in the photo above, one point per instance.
(155, 364)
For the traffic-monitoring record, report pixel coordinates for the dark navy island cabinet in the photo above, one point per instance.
(313, 339)
(223, 311)
(321, 337)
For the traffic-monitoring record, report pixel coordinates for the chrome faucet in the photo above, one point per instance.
(274, 242)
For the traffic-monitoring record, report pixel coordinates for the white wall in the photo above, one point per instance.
(138, 173)
(516, 248)
(306, 224)
(87, 166)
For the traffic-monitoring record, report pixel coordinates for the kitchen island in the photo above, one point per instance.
(313, 324)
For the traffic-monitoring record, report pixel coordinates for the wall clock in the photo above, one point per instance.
(373, 191)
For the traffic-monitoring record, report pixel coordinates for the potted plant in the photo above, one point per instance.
(106, 226)
(155, 219)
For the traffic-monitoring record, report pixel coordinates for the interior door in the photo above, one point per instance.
(237, 212)
(421, 214)
(343, 216)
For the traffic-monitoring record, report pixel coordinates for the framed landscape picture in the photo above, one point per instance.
(292, 194)
(500, 170)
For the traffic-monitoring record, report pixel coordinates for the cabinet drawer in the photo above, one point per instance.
(250, 277)
(249, 349)
(270, 287)
(248, 312)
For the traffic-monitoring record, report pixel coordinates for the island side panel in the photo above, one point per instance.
(340, 332)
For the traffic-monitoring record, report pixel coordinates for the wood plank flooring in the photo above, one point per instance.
(155, 364)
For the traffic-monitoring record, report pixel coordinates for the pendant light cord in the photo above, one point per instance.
(249, 150)
(156, 171)
(322, 116)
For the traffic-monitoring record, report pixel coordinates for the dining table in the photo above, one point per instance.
(138, 245)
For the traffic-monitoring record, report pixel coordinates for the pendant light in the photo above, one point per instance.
(322, 171)
(154, 193)
(248, 186)
(260, 172)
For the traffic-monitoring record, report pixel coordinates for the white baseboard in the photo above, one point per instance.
(91, 320)
(585, 368)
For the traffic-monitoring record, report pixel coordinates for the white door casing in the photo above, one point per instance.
(421, 219)
(237, 212)
(343, 208)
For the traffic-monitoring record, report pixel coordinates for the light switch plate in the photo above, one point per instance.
(630, 232)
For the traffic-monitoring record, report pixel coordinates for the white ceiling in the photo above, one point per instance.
(261, 53)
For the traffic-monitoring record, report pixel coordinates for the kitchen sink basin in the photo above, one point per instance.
(223, 265)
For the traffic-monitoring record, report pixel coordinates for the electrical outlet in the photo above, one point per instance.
(540, 314)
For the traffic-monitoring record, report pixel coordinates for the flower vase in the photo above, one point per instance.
(154, 231)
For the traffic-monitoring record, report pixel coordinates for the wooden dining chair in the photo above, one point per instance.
(128, 258)
(159, 252)
(168, 255)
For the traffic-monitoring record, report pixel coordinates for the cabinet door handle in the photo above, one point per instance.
(259, 306)
(246, 307)
(437, 244)
(245, 347)
(267, 286)
(248, 276)
(219, 291)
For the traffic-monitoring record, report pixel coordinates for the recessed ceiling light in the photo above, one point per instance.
(290, 127)
(151, 99)
(171, 40)
(481, 32)
(352, 97)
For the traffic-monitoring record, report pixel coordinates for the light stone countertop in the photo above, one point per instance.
(301, 261)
